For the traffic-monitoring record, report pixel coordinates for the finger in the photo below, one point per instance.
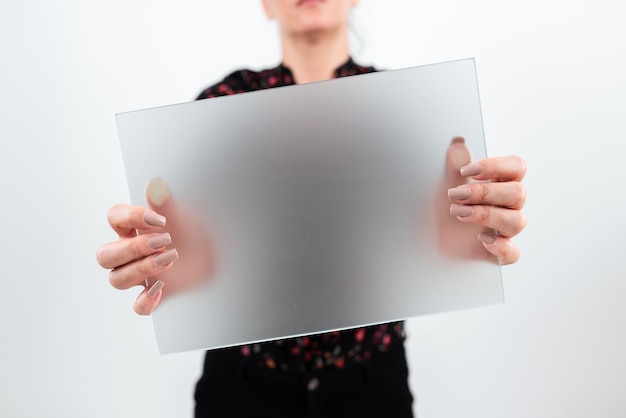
(508, 222)
(159, 197)
(126, 219)
(510, 194)
(148, 300)
(119, 253)
(457, 156)
(512, 168)
(501, 247)
(136, 272)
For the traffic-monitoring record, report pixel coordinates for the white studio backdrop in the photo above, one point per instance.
(553, 90)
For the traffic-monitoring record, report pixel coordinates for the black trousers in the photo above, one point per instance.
(232, 387)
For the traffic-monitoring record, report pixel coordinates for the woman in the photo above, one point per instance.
(360, 372)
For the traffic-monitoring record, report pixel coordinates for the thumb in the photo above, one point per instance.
(159, 197)
(457, 156)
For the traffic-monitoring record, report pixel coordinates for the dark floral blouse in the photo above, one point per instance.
(316, 352)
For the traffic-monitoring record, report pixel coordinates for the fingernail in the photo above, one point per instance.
(486, 238)
(459, 193)
(157, 191)
(159, 241)
(155, 288)
(458, 140)
(153, 219)
(461, 210)
(166, 257)
(473, 169)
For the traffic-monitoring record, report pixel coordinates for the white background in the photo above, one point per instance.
(553, 84)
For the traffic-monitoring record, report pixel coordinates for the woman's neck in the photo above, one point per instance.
(315, 56)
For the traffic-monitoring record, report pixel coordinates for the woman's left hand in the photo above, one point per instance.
(495, 205)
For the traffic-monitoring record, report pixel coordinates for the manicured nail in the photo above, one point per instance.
(159, 241)
(151, 218)
(461, 210)
(458, 140)
(157, 191)
(166, 257)
(460, 193)
(486, 238)
(472, 169)
(155, 288)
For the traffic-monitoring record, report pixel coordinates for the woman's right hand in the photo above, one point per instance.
(145, 255)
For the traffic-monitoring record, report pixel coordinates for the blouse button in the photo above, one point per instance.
(313, 384)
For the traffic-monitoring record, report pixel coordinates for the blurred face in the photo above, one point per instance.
(300, 17)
